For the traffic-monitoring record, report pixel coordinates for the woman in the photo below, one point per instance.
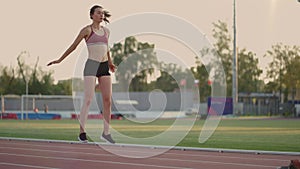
(97, 66)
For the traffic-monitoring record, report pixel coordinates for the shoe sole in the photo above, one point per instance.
(85, 141)
(103, 139)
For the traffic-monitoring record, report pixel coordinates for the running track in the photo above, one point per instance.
(22, 154)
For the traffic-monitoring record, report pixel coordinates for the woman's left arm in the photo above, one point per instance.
(111, 65)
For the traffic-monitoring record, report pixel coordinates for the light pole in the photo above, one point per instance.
(2, 106)
(26, 74)
(26, 102)
(234, 64)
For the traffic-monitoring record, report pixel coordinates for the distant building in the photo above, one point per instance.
(296, 99)
(259, 103)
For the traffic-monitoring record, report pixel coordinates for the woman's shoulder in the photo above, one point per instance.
(106, 28)
(86, 29)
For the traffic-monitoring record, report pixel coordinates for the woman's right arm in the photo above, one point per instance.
(83, 33)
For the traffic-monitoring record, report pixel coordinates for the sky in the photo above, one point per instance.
(47, 28)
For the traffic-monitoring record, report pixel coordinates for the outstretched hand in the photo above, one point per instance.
(53, 62)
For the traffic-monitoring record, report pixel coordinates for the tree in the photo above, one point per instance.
(13, 80)
(247, 65)
(39, 81)
(135, 61)
(47, 82)
(9, 83)
(222, 49)
(248, 72)
(63, 87)
(171, 77)
(284, 68)
(200, 73)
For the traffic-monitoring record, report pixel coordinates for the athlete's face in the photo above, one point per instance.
(98, 15)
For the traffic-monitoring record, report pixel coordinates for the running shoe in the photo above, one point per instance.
(82, 138)
(107, 138)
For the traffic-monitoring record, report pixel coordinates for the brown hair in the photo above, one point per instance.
(106, 13)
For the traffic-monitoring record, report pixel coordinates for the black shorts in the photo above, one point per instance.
(94, 68)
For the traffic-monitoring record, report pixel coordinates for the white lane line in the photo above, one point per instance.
(24, 165)
(166, 153)
(157, 146)
(154, 158)
(94, 161)
(55, 151)
(227, 163)
(233, 157)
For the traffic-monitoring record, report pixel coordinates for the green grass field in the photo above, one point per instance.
(250, 134)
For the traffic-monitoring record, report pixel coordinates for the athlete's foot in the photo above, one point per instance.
(107, 138)
(82, 138)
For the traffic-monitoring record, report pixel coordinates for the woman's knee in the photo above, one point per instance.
(107, 100)
(88, 101)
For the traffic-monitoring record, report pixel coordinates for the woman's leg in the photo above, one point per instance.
(89, 91)
(106, 91)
